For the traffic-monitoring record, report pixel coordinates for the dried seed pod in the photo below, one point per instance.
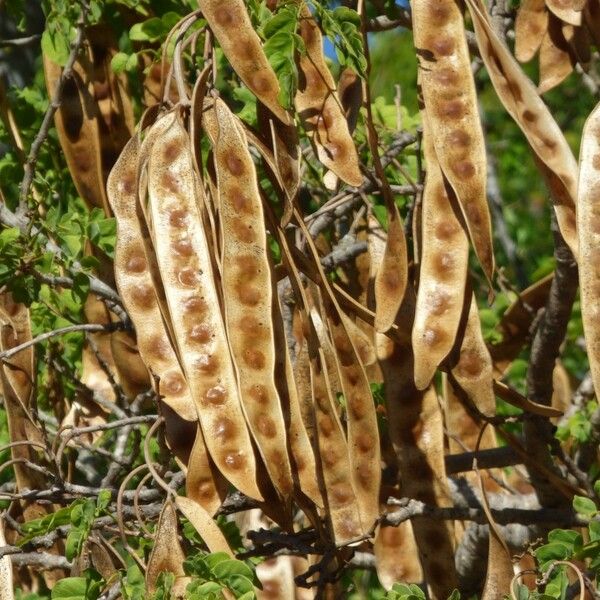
(588, 223)
(521, 100)
(556, 58)
(185, 268)
(516, 323)
(562, 391)
(241, 45)
(568, 11)
(351, 96)
(319, 107)
(167, 554)
(443, 270)
(247, 286)
(500, 574)
(451, 104)
(203, 483)
(203, 523)
(396, 555)
(531, 24)
(591, 14)
(473, 372)
(392, 273)
(136, 286)
(78, 131)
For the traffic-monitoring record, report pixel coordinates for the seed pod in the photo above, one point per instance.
(185, 268)
(396, 556)
(588, 223)
(203, 483)
(167, 554)
(241, 45)
(516, 322)
(203, 523)
(78, 131)
(135, 286)
(568, 11)
(443, 270)
(451, 103)
(562, 391)
(473, 372)
(531, 24)
(521, 100)
(500, 574)
(247, 287)
(392, 274)
(319, 107)
(556, 59)
(591, 14)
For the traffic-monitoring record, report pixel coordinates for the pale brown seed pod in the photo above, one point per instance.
(392, 273)
(556, 58)
(241, 45)
(450, 100)
(531, 24)
(562, 390)
(521, 100)
(588, 224)
(568, 11)
(319, 107)
(500, 574)
(186, 271)
(247, 287)
(203, 483)
(443, 270)
(473, 371)
(396, 555)
(167, 554)
(516, 322)
(78, 131)
(136, 286)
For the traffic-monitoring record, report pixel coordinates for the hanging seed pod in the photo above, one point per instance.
(443, 271)
(392, 274)
(76, 122)
(556, 58)
(531, 24)
(591, 14)
(588, 223)
(319, 107)
(167, 554)
(186, 272)
(135, 286)
(396, 555)
(451, 105)
(203, 483)
(241, 45)
(247, 286)
(521, 100)
(473, 372)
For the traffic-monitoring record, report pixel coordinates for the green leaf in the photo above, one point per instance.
(151, 30)
(212, 560)
(554, 551)
(73, 588)
(118, 62)
(584, 506)
(227, 568)
(56, 46)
